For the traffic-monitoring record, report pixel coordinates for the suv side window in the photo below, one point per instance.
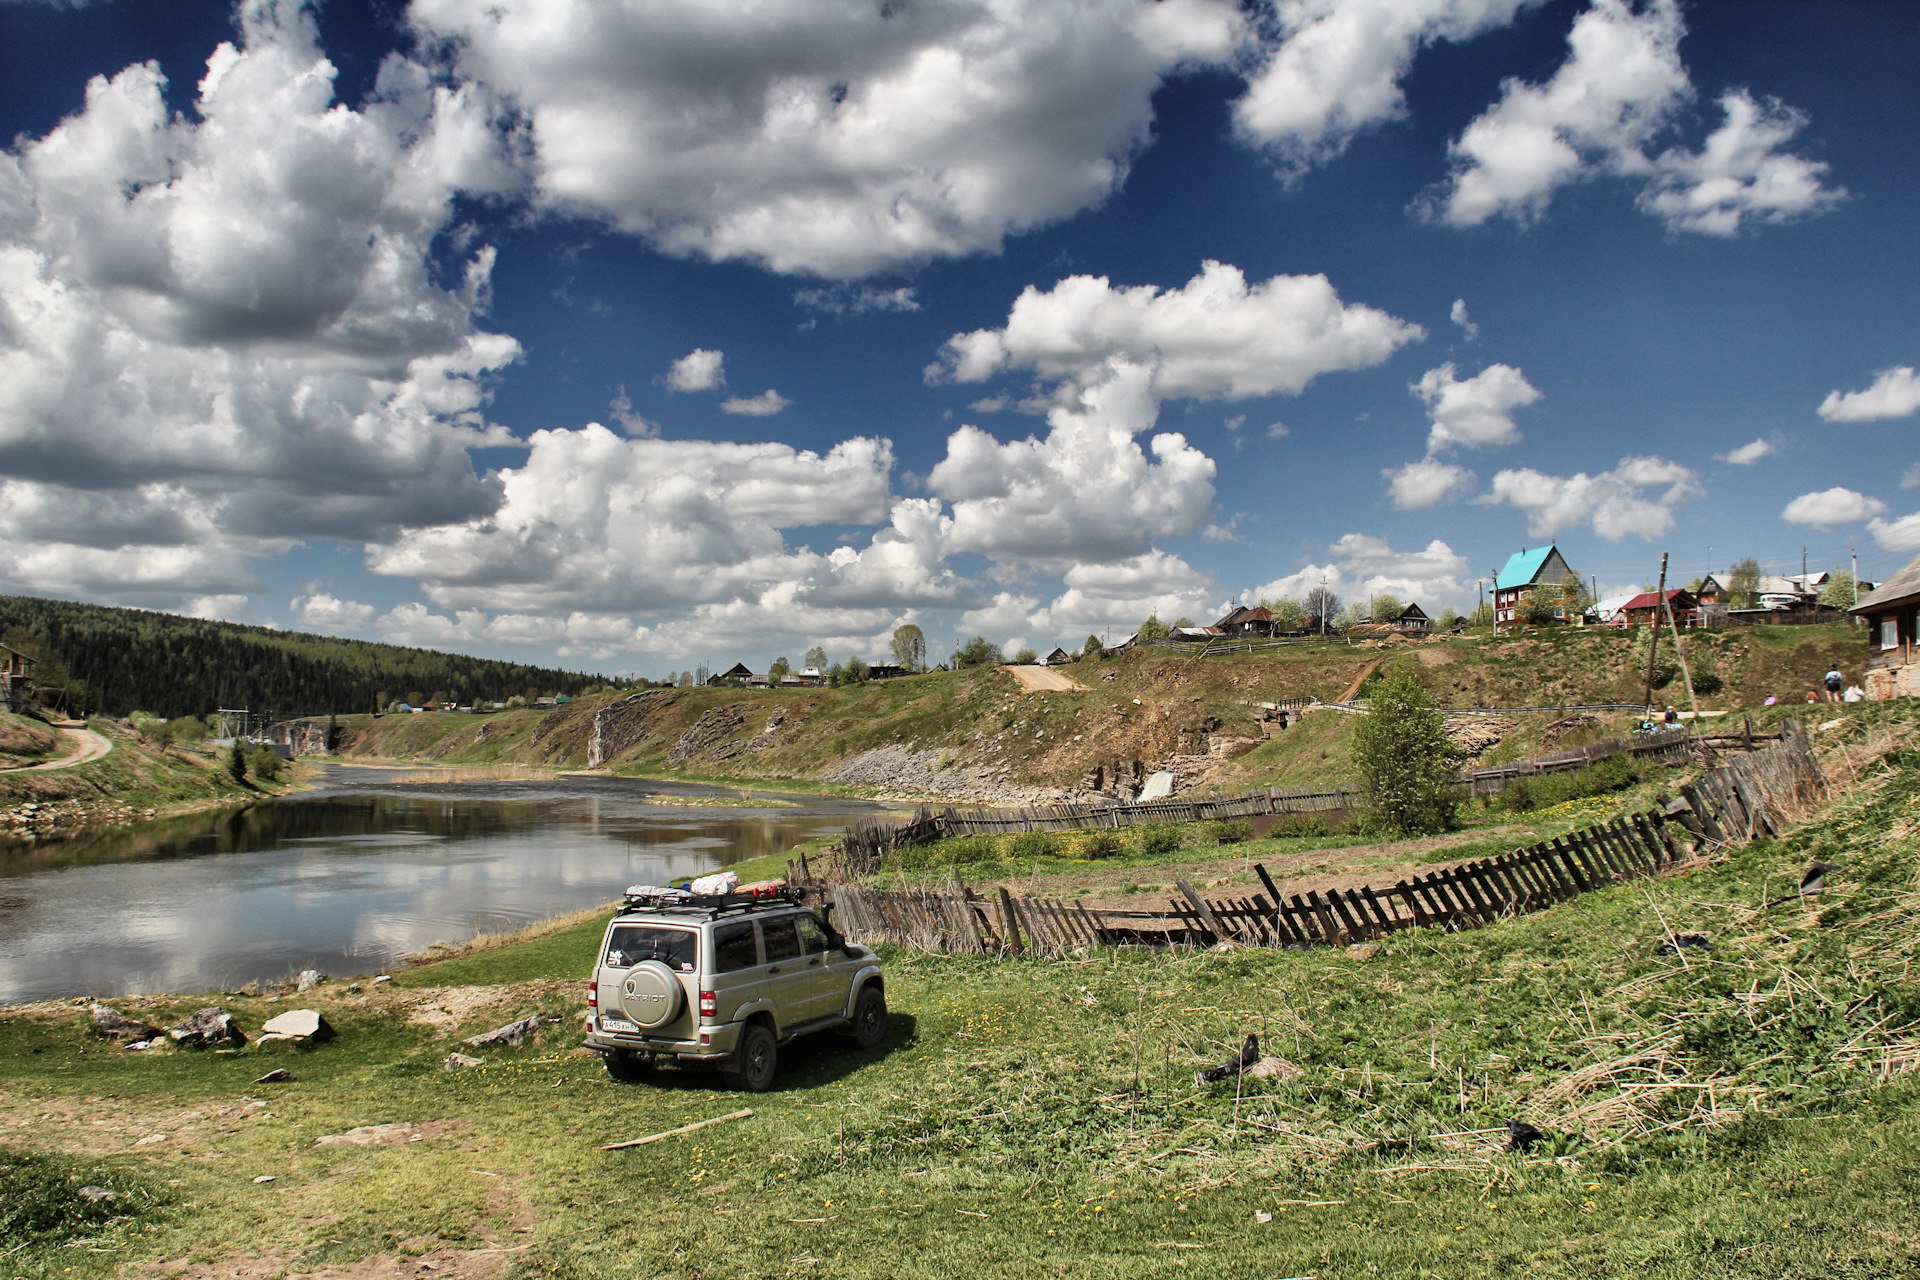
(734, 948)
(813, 938)
(782, 942)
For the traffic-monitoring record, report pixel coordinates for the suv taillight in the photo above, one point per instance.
(593, 995)
(707, 1008)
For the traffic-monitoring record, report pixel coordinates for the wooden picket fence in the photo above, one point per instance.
(1748, 797)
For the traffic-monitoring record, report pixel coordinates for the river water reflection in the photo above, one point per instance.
(350, 878)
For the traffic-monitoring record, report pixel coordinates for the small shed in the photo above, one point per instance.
(886, 671)
(1058, 658)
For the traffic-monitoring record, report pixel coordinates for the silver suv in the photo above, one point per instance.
(725, 981)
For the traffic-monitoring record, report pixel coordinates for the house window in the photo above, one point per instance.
(1889, 633)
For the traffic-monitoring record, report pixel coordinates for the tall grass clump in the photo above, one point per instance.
(1615, 773)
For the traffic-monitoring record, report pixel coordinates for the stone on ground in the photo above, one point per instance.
(114, 1025)
(512, 1033)
(209, 1026)
(301, 1024)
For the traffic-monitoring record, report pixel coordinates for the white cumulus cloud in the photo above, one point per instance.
(1748, 454)
(1473, 411)
(1894, 394)
(1214, 337)
(1897, 535)
(1428, 483)
(1087, 493)
(323, 611)
(764, 405)
(832, 137)
(236, 303)
(698, 370)
(1832, 506)
(1636, 497)
(1460, 317)
(1361, 564)
(1336, 67)
(1621, 86)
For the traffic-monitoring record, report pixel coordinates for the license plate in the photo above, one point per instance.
(616, 1024)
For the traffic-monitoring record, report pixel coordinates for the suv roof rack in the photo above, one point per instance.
(654, 898)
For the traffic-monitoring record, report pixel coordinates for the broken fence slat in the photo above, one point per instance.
(741, 1114)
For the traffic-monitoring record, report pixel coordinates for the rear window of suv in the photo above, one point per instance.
(629, 944)
(733, 948)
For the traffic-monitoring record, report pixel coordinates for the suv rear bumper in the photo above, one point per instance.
(714, 1043)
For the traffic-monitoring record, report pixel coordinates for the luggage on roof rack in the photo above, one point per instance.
(760, 895)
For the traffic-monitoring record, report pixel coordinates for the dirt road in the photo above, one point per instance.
(1043, 679)
(87, 745)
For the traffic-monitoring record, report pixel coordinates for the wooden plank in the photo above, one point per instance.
(1419, 911)
(1009, 923)
(1329, 927)
(1202, 910)
(1279, 902)
(1441, 909)
(1308, 921)
(1567, 858)
(1703, 810)
(1629, 835)
(1502, 875)
(1351, 927)
(1546, 864)
(1468, 878)
(1389, 919)
(1650, 843)
(1371, 926)
(1599, 869)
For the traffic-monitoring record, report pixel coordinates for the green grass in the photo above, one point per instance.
(1035, 1118)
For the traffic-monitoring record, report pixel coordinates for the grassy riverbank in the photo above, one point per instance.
(1748, 1111)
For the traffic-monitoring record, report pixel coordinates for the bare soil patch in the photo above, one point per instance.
(1044, 679)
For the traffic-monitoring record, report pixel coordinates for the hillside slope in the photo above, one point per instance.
(133, 659)
(979, 734)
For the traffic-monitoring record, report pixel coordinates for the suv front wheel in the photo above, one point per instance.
(755, 1059)
(869, 1017)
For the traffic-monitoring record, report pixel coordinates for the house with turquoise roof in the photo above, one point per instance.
(1542, 570)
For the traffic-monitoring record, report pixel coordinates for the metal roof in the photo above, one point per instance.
(1522, 568)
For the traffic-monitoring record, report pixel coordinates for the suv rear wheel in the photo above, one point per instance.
(869, 1026)
(755, 1059)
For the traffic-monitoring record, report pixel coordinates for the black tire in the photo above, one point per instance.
(627, 1065)
(869, 1017)
(755, 1060)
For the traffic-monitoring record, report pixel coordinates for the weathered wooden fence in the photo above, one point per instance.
(1746, 798)
(1667, 745)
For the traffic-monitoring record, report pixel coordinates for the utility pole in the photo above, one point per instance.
(1854, 552)
(1679, 650)
(1653, 640)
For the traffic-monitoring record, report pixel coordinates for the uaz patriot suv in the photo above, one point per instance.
(725, 981)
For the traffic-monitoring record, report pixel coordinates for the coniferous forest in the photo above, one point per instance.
(173, 666)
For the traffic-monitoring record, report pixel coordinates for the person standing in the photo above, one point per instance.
(1834, 681)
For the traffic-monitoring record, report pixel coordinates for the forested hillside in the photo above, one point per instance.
(174, 666)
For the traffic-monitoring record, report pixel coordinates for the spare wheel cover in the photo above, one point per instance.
(651, 994)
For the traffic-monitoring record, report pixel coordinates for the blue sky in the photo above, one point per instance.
(1021, 317)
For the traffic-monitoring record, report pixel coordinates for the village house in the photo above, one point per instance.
(1244, 622)
(1892, 615)
(1058, 658)
(1414, 619)
(16, 678)
(1645, 609)
(736, 674)
(1541, 571)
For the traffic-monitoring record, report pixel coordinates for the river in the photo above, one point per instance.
(352, 876)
